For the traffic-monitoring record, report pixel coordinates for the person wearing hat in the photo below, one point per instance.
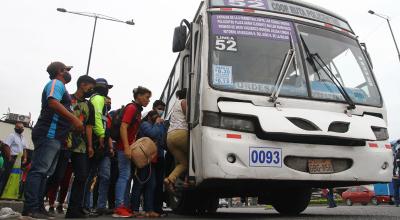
(48, 135)
(100, 164)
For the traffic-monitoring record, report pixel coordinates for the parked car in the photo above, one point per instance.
(223, 203)
(363, 195)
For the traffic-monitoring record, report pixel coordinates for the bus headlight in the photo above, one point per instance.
(381, 134)
(229, 122)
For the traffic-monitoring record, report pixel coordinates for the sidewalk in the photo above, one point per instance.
(15, 205)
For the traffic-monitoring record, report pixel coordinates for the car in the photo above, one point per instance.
(363, 195)
(223, 203)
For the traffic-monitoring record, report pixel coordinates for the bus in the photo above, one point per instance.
(281, 99)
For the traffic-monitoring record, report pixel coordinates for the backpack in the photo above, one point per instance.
(116, 122)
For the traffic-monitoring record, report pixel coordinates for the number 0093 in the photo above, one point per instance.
(265, 157)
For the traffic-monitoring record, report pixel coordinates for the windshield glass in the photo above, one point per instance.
(248, 52)
(343, 57)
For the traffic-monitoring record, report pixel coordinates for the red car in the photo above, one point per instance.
(363, 195)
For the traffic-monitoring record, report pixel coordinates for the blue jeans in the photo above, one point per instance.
(396, 188)
(102, 170)
(44, 161)
(121, 190)
(149, 189)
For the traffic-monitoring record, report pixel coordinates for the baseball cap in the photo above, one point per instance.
(54, 67)
(102, 81)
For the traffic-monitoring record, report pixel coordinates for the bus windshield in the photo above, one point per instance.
(247, 54)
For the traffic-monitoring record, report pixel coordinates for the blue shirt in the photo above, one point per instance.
(50, 124)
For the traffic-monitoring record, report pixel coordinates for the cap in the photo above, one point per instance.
(102, 81)
(57, 66)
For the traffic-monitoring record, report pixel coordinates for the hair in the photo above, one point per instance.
(158, 103)
(181, 94)
(140, 91)
(85, 79)
(152, 113)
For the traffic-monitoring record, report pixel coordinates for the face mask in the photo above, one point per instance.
(67, 77)
(160, 112)
(88, 94)
(103, 91)
(108, 107)
(19, 130)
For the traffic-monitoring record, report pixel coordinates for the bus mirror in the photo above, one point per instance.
(179, 41)
(364, 48)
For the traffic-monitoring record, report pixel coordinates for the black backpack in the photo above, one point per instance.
(116, 122)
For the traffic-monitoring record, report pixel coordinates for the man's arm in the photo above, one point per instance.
(89, 138)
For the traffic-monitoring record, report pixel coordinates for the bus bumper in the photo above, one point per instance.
(369, 164)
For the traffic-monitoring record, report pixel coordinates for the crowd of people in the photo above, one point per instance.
(78, 135)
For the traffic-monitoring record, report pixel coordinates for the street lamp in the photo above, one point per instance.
(95, 16)
(390, 27)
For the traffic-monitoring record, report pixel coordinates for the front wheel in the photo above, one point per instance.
(291, 201)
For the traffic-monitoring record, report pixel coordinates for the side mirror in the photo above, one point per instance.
(364, 48)
(179, 41)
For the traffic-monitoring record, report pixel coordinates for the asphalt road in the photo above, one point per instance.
(380, 212)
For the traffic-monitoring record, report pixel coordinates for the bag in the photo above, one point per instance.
(143, 151)
(116, 122)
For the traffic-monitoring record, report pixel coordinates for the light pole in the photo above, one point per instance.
(390, 27)
(95, 16)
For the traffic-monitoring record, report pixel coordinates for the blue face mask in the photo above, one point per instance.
(160, 112)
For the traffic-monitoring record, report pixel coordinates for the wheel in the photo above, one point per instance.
(349, 202)
(374, 201)
(291, 201)
(182, 202)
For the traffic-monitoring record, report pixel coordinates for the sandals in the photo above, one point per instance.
(169, 184)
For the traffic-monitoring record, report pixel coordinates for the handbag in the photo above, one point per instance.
(143, 151)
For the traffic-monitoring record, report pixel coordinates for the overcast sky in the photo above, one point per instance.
(33, 33)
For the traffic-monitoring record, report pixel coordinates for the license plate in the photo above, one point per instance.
(320, 166)
(265, 157)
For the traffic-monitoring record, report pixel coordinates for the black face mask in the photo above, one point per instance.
(108, 107)
(103, 91)
(19, 130)
(88, 94)
(67, 77)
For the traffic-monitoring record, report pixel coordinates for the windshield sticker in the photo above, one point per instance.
(226, 43)
(248, 26)
(222, 75)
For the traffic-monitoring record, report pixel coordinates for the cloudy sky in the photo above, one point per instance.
(33, 33)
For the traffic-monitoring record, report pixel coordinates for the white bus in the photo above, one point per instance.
(282, 98)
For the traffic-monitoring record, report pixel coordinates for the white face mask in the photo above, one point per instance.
(160, 112)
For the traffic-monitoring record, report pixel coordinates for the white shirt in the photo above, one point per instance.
(178, 118)
(16, 142)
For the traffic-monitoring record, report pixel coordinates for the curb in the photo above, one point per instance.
(15, 205)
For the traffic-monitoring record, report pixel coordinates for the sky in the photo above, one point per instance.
(33, 34)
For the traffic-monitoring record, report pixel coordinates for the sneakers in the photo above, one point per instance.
(75, 214)
(60, 209)
(34, 216)
(104, 211)
(52, 210)
(122, 212)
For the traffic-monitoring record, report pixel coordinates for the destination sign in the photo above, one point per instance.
(283, 7)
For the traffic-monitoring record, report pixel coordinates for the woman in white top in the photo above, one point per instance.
(177, 138)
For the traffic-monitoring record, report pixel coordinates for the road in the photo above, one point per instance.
(380, 212)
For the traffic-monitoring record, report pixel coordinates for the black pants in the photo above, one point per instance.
(159, 192)
(113, 181)
(8, 166)
(80, 168)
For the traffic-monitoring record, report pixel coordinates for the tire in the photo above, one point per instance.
(291, 201)
(374, 201)
(182, 202)
(349, 202)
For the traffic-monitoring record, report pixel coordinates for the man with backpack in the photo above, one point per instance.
(99, 165)
(127, 121)
(80, 145)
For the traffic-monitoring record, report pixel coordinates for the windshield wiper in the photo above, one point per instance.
(315, 58)
(289, 56)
